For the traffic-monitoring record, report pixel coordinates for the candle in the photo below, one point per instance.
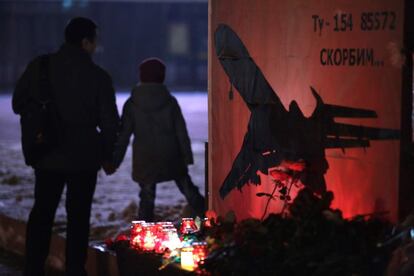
(188, 226)
(135, 233)
(163, 237)
(187, 260)
(172, 241)
(149, 241)
(149, 237)
(199, 252)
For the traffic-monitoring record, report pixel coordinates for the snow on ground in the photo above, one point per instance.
(116, 197)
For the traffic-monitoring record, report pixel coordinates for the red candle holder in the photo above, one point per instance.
(200, 252)
(163, 225)
(188, 226)
(165, 237)
(148, 237)
(172, 241)
(136, 233)
(151, 236)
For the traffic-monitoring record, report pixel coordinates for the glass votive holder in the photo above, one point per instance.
(149, 237)
(200, 252)
(136, 233)
(187, 259)
(188, 226)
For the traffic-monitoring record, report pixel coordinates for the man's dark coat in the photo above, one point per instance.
(85, 100)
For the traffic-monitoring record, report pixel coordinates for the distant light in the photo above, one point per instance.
(67, 4)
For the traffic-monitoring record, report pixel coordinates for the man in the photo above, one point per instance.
(85, 101)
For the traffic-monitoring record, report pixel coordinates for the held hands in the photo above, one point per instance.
(109, 168)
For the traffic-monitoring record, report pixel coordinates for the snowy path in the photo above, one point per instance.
(116, 197)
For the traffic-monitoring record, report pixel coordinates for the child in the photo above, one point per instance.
(161, 146)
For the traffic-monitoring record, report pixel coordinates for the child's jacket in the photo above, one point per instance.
(161, 146)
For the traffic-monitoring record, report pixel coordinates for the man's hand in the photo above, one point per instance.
(109, 168)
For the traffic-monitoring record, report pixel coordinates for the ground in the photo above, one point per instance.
(116, 197)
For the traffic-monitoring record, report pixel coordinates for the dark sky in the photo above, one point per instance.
(130, 31)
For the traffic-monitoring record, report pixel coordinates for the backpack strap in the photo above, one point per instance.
(45, 96)
(45, 87)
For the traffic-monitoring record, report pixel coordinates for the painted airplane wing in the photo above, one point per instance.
(252, 86)
(243, 171)
(242, 71)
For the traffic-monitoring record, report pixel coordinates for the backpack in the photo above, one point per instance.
(40, 120)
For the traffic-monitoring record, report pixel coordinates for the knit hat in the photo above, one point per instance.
(152, 70)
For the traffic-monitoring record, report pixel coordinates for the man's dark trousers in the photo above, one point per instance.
(80, 187)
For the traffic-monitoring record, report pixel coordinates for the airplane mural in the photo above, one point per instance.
(276, 136)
